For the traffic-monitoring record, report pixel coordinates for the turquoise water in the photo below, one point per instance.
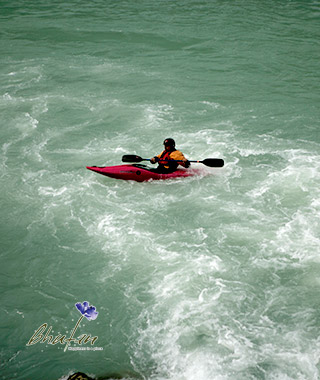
(213, 277)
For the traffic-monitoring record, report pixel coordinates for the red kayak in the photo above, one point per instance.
(139, 173)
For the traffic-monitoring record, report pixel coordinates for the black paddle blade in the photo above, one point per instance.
(213, 162)
(131, 158)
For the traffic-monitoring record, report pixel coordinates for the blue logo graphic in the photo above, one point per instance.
(88, 311)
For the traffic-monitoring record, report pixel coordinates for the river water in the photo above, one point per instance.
(213, 277)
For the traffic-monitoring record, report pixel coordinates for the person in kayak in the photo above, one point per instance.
(166, 165)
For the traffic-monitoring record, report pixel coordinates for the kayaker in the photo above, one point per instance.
(170, 153)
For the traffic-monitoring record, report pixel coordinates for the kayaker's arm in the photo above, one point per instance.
(178, 156)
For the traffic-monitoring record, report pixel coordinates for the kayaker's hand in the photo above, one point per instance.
(185, 163)
(153, 160)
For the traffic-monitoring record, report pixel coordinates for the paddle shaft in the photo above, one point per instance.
(212, 162)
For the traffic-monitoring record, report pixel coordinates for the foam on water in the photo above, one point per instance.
(214, 298)
(213, 277)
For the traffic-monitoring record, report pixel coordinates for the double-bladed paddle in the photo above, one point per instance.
(212, 162)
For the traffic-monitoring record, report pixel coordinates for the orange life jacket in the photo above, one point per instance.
(172, 155)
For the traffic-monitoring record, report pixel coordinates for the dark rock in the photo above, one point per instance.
(79, 376)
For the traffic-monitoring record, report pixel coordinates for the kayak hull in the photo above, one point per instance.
(139, 173)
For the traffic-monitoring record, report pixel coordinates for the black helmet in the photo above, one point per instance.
(169, 142)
